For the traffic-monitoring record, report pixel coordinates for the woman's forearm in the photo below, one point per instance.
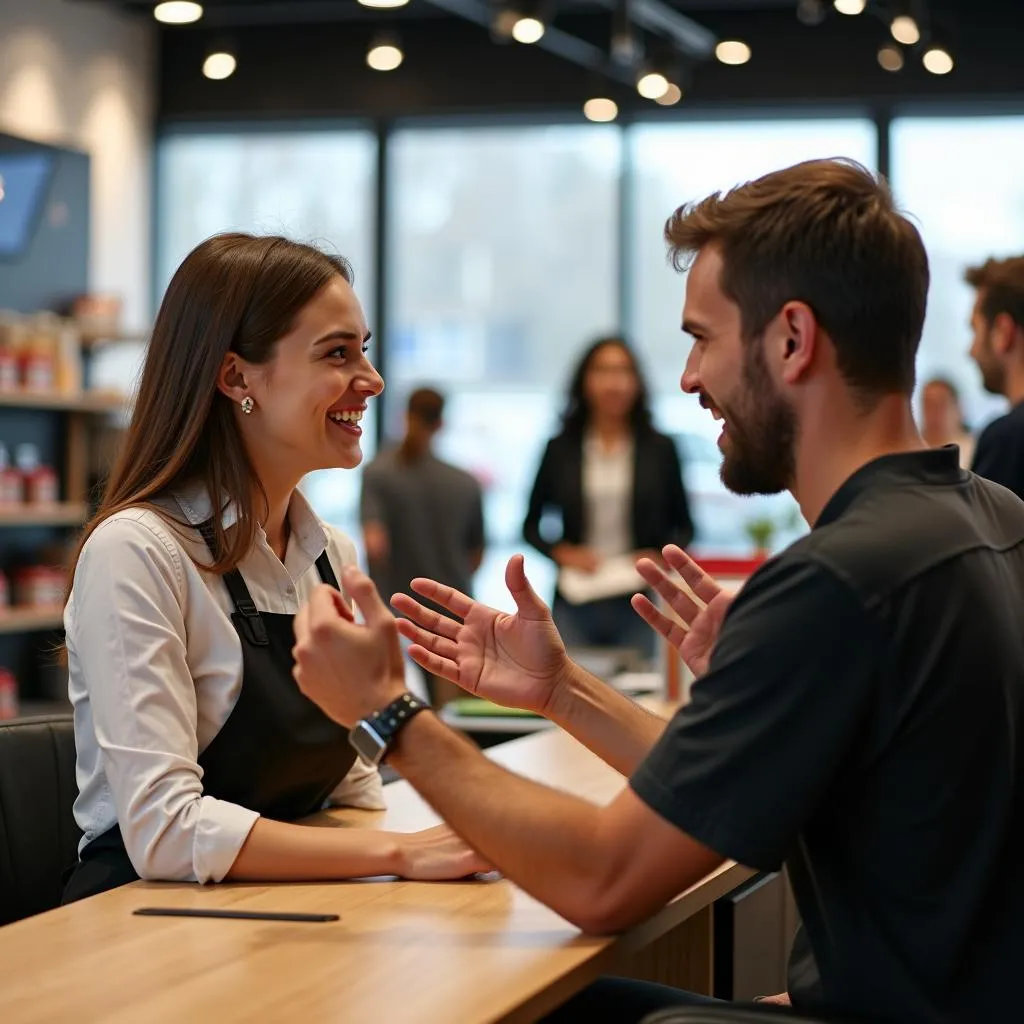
(278, 852)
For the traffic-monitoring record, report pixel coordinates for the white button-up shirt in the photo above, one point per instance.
(155, 669)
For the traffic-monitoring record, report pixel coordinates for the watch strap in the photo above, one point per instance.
(390, 720)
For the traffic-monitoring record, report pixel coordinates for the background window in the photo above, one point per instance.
(959, 178)
(312, 186)
(679, 163)
(502, 262)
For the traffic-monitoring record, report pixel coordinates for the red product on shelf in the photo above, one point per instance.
(8, 695)
(40, 482)
(12, 486)
(9, 381)
(39, 586)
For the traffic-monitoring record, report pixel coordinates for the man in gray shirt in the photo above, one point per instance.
(421, 516)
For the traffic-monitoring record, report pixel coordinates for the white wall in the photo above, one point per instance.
(81, 75)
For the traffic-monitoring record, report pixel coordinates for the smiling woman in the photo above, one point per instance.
(195, 748)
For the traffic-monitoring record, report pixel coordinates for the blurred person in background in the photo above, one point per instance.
(617, 484)
(997, 323)
(421, 516)
(942, 420)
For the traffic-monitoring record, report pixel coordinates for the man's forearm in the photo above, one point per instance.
(547, 842)
(616, 729)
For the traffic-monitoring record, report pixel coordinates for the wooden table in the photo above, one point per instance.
(463, 952)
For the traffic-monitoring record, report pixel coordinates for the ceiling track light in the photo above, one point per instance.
(673, 94)
(732, 51)
(905, 30)
(652, 83)
(890, 57)
(521, 20)
(177, 12)
(528, 29)
(937, 58)
(850, 7)
(383, 5)
(220, 61)
(600, 109)
(384, 53)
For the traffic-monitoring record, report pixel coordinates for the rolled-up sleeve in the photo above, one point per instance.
(362, 788)
(128, 641)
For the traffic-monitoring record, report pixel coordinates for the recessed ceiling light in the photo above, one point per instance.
(937, 60)
(178, 12)
(220, 65)
(528, 30)
(600, 108)
(384, 55)
(732, 51)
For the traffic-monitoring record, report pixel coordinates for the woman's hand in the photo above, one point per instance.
(437, 854)
(576, 556)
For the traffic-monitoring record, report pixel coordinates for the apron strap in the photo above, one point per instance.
(326, 570)
(240, 596)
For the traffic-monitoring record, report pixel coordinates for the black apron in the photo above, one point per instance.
(277, 754)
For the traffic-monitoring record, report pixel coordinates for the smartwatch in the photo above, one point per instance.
(372, 737)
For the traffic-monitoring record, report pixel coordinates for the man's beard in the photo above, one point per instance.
(993, 376)
(760, 446)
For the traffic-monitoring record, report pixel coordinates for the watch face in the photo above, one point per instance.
(367, 743)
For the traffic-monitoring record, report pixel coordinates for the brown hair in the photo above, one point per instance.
(823, 232)
(1002, 285)
(427, 405)
(233, 293)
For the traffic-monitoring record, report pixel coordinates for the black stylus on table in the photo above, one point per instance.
(242, 915)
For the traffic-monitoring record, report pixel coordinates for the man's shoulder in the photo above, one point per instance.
(383, 462)
(1006, 428)
(891, 537)
(455, 476)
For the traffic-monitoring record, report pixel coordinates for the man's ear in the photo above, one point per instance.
(1006, 334)
(793, 337)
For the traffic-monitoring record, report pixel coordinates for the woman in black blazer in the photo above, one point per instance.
(617, 484)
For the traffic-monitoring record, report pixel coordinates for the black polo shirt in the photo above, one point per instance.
(999, 453)
(863, 720)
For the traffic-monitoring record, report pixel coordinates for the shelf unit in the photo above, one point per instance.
(30, 620)
(84, 402)
(28, 634)
(62, 513)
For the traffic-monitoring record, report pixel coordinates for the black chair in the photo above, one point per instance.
(38, 835)
(729, 1014)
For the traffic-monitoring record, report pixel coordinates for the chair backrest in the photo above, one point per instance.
(729, 1013)
(38, 835)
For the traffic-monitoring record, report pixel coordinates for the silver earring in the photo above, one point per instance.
(248, 405)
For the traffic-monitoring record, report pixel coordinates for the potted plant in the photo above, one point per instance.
(761, 531)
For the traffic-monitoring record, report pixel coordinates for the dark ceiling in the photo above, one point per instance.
(307, 57)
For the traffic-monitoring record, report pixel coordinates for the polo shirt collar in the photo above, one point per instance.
(930, 466)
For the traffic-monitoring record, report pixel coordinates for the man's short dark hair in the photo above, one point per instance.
(426, 405)
(1001, 284)
(824, 232)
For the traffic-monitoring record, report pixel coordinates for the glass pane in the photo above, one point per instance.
(679, 163)
(960, 179)
(311, 186)
(502, 263)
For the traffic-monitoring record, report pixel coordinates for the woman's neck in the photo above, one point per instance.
(610, 431)
(272, 513)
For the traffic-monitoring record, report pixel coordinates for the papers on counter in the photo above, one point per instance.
(614, 576)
